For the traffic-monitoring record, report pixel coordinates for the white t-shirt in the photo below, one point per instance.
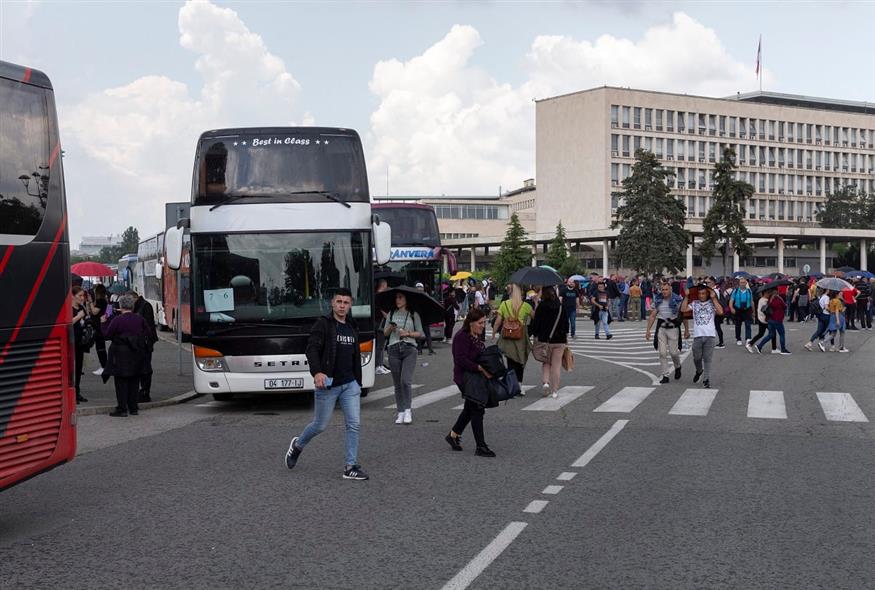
(824, 303)
(478, 298)
(703, 319)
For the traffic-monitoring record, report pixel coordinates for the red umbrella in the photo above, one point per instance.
(92, 269)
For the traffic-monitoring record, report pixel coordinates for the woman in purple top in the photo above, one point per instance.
(126, 360)
(467, 346)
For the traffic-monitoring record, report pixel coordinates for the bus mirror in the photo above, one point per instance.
(382, 242)
(159, 268)
(173, 247)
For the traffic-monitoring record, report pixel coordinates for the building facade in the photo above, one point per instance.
(92, 245)
(794, 150)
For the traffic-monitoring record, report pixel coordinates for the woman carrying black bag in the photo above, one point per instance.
(468, 376)
(83, 335)
(128, 333)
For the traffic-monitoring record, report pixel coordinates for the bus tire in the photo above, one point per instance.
(365, 391)
(223, 397)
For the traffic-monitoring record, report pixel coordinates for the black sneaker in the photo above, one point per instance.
(293, 453)
(609, 336)
(118, 414)
(677, 373)
(707, 384)
(697, 376)
(785, 352)
(664, 379)
(484, 451)
(355, 472)
(455, 442)
(134, 413)
(597, 337)
(721, 345)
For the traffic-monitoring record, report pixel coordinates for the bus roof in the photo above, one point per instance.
(232, 131)
(24, 74)
(401, 206)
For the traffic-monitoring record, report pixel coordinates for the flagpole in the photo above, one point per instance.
(761, 63)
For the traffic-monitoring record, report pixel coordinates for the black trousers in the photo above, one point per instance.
(718, 325)
(863, 313)
(516, 368)
(472, 413)
(146, 379)
(80, 361)
(126, 393)
(762, 331)
(100, 347)
(851, 315)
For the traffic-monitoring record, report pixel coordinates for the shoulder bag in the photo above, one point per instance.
(541, 350)
(511, 327)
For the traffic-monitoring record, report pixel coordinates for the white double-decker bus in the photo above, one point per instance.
(147, 276)
(280, 219)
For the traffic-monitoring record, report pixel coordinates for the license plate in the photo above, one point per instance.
(295, 383)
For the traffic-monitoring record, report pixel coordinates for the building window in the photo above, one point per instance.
(615, 115)
(637, 120)
(626, 117)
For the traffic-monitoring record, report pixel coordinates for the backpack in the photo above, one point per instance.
(511, 327)
(85, 337)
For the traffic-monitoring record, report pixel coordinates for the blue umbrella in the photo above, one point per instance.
(816, 275)
(578, 278)
(741, 275)
(859, 274)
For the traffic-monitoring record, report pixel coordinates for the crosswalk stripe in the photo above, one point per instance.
(694, 402)
(625, 400)
(766, 404)
(524, 388)
(385, 392)
(840, 407)
(565, 395)
(431, 397)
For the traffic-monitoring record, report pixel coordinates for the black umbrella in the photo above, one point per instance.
(429, 310)
(846, 269)
(116, 288)
(77, 280)
(394, 279)
(774, 285)
(776, 276)
(537, 276)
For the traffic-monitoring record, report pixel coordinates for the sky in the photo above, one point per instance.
(441, 92)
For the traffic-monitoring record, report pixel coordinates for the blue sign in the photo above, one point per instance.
(414, 253)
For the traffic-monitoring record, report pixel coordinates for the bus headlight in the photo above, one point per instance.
(367, 350)
(209, 360)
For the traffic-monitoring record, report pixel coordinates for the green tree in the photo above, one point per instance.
(515, 251)
(724, 224)
(651, 221)
(557, 252)
(847, 207)
(571, 266)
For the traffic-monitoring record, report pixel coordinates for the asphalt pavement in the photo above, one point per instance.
(763, 481)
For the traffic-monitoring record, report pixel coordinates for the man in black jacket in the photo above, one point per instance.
(144, 308)
(335, 362)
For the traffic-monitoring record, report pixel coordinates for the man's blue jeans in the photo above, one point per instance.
(774, 328)
(603, 323)
(349, 395)
(572, 321)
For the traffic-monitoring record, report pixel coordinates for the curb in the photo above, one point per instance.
(179, 399)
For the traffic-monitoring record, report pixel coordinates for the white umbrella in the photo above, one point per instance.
(834, 284)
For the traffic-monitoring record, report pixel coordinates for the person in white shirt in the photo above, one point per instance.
(704, 309)
(822, 324)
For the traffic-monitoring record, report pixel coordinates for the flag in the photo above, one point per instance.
(759, 55)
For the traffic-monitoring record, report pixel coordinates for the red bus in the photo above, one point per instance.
(37, 399)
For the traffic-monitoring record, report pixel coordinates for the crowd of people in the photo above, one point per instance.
(127, 323)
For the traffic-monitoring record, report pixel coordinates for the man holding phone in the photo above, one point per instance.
(335, 362)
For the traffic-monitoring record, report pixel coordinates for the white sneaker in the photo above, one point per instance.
(545, 390)
(843, 349)
(408, 417)
(738, 342)
(832, 348)
(555, 394)
(381, 370)
(400, 418)
(808, 347)
(98, 372)
(776, 351)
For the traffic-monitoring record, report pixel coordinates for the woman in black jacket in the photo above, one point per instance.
(550, 326)
(129, 336)
(81, 342)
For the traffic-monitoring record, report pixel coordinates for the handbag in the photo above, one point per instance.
(541, 350)
(505, 387)
(512, 328)
(567, 359)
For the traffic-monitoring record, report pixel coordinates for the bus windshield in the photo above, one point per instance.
(267, 167)
(411, 226)
(278, 277)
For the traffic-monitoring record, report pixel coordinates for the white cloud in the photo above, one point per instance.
(139, 138)
(446, 126)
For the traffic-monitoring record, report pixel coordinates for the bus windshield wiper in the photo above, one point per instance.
(328, 194)
(227, 200)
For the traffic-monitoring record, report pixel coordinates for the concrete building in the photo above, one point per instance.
(466, 217)
(794, 150)
(91, 245)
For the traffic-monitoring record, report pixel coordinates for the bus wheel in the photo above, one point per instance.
(223, 397)
(365, 392)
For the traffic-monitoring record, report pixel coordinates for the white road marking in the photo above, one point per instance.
(565, 395)
(625, 400)
(482, 560)
(694, 402)
(524, 388)
(601, 443)
(566, 475)
(553, 490)
(535, 506)
(840, 407)
(766, 404)
(385, 392)
(431, 397)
